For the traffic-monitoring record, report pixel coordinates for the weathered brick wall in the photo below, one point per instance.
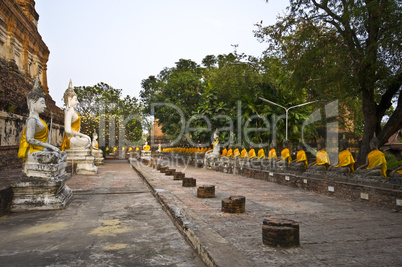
(378, 194)
(11, 127)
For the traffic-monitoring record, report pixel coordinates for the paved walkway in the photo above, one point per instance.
(112, 220)
(333, 232)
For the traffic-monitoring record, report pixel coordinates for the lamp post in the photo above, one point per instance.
(286, 109)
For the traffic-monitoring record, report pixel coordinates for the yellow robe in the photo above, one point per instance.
(301, 156)
(261, 154)
(322, 158)
(147, 147)
(230, 153)
(399, 172)
(285, 154)
(251, 154)
(377, 158)
(224, 152)
(272, 154)
(75, 126)
(25, 146)
(236, 153)
(243, 153)
(345, 158)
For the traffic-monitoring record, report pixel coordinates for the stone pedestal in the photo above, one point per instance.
(41, 187)
(84, 162)
(98, 154)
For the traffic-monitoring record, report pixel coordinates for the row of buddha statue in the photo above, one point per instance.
(76, 147)
(375, 165)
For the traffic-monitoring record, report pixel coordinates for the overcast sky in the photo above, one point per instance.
(122, 42)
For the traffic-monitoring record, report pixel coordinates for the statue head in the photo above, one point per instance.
(320, 144)
(300, 146)
(36, 98)
(70, 97)
(94, 136)
(374, 143)
(273, 144)
(344, 143)
(285, 144)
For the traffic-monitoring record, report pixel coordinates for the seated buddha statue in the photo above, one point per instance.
(251, 154)
(397, 172)
(146, 147)
(261, 154)
(95, 144)
(301, 158)
(72, 138)
(322, 163)
(286, 158)
(34, 146)
(376, 165)
(345, 160)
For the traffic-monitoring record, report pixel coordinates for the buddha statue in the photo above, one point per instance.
(261, 154)
(146, 147)
(272, 152)
(345, 160)
(42, 185)
(96, 152)
(159, 148)
(95, 144)
(34, 147)
(251, 154)
(224, 152)
(376, 165)
(236, 153)
(301, 158)
(214, 153)
(397, 172)
(244, 154)
(286, 158)
(322, 163)
(72, 138)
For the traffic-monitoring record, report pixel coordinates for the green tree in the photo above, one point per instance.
(102, 103)
(354, 43)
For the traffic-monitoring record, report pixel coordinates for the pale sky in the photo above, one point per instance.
(122, 42)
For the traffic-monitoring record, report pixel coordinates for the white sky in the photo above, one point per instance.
(122, 42)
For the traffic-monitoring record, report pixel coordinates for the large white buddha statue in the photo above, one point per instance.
(34, 147)
(77, 145)
(42, 185)
(73, 139)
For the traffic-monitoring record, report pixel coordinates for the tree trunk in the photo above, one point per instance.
(370, 124)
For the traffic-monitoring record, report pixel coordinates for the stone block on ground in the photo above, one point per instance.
(234, 204)
(280, 232)
(189, 182)
(206, 191)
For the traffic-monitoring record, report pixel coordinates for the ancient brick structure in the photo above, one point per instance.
(170, 172)
(178, 176)
(189, 182)
(234, 204)
(280, 232)
(23, 56)
(206, 191)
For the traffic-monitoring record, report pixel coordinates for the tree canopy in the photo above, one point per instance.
(348, 49)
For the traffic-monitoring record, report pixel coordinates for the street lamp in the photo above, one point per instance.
(286, 109)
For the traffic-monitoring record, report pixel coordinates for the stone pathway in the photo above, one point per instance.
(112, 220)
(333, 232)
